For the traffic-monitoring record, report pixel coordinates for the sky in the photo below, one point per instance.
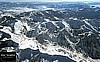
(47, 0)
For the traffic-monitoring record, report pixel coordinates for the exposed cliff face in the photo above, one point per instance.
(50, 35)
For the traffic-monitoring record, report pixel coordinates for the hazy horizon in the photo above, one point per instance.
(49, 1)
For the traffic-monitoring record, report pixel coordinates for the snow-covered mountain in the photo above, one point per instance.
(51, 32)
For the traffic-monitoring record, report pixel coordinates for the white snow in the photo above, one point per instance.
(56, 18)
(73, 18)
(26, 25)
(18, 27)
(90, 25)
(66, 25)
(47, 20)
